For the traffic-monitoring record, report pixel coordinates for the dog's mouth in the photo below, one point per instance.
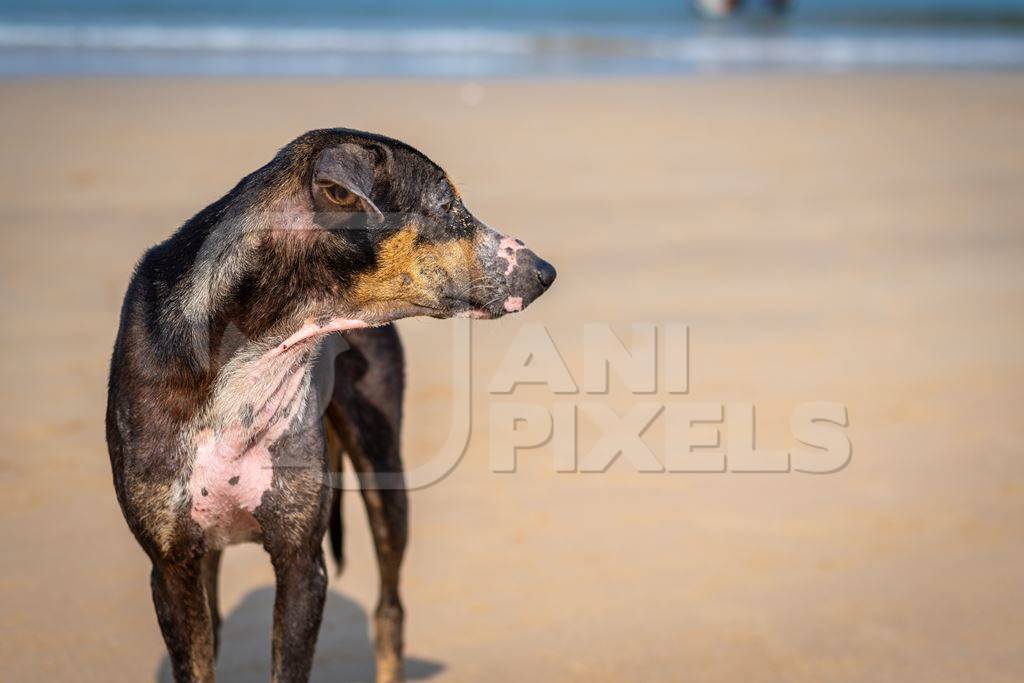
(454, 307)
(448, 306)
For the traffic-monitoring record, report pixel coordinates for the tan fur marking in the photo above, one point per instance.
(408, 272)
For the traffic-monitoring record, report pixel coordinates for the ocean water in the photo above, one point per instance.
(462, 38)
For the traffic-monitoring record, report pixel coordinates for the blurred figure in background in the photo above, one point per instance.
(723, 8)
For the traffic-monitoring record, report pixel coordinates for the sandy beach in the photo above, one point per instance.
(847, 238)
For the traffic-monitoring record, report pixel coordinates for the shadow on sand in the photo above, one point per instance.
(343, 652)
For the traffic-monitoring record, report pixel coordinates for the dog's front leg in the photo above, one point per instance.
(184, 616)
(298, 608)
(211, 575)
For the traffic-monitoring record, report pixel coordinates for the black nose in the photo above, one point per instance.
(545, 273)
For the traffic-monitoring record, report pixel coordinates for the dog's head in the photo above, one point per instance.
(387, 235)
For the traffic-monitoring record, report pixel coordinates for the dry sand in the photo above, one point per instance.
(849, 238)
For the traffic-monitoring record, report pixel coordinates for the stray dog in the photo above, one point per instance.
(218, 417)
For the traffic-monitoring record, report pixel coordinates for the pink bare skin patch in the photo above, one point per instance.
(514, 304)
(233, 467)
(507, 248)
(228, 482)
(312, 330)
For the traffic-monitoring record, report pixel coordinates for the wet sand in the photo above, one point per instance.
(845, 238)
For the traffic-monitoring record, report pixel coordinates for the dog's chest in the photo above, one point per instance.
(229, 478)
(261, 401)
(265, 396)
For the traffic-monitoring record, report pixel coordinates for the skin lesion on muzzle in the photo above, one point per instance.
(519, 275)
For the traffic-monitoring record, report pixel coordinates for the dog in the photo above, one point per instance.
(227, 382)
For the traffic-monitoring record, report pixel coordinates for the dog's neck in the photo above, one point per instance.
(226, 291)
(213, 316)
(263, 386)
(205, 314)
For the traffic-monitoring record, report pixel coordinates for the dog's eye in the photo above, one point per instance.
(339, 195)
(446, 205)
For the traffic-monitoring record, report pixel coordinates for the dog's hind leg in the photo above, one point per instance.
(184, 615)
(336, 524)
(366, 411)
(211, 574)
(388, 514)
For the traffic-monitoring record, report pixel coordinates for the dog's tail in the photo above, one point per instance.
(336, 526)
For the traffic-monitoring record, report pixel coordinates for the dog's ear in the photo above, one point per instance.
(343, 181)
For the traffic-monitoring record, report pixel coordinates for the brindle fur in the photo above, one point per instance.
(340, 226)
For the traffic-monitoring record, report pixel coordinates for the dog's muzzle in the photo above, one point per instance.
(513, 277)
(522, 276)
(530, 277)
